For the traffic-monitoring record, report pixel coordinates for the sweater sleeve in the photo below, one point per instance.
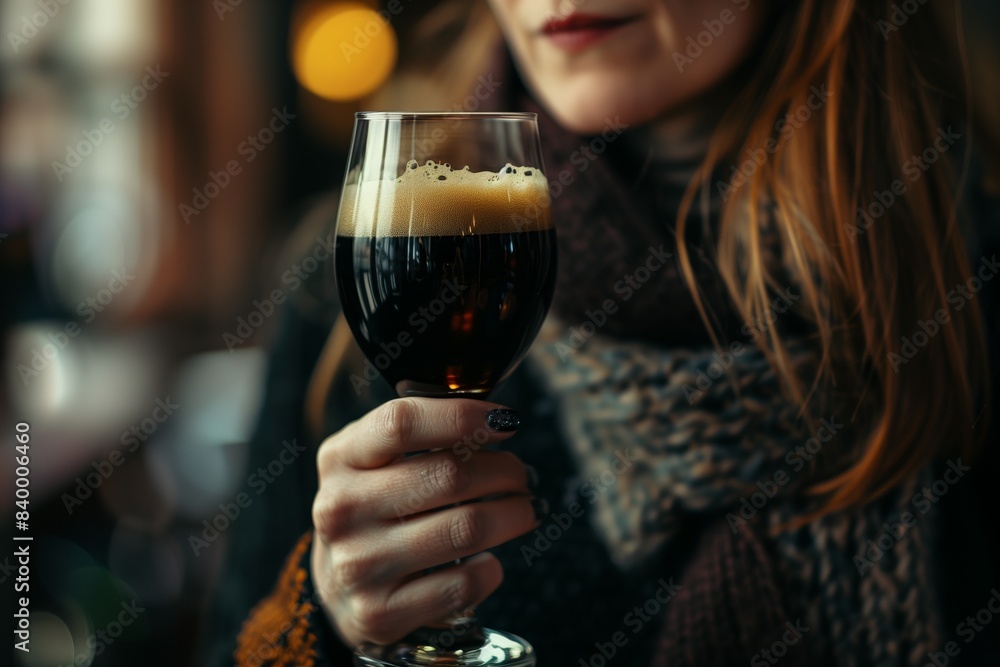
(288, 628)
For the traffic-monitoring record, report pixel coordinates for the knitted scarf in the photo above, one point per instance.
(662, 437)
(667, 431)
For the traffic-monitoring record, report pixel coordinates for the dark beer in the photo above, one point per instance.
(445, 281)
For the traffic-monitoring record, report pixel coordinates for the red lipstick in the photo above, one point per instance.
(577, 32)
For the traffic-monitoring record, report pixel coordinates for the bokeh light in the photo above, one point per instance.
(51, 642)
(343, 51)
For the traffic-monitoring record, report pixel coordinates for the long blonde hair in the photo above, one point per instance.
(865, 283)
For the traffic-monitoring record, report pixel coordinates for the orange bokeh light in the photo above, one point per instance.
(343, 51)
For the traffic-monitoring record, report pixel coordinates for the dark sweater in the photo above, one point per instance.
(561, 591)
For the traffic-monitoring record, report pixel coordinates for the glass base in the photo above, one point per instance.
(489, 647)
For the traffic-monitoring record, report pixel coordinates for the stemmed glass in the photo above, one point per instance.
(445, 268)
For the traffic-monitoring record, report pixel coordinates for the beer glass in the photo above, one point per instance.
(445, 268)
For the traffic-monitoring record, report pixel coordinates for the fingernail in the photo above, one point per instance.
(541, 507)
(532, 478)
(502, 420)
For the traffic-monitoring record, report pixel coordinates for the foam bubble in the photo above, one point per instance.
(437, 200)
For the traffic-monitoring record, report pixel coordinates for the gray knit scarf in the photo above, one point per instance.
(662, 436)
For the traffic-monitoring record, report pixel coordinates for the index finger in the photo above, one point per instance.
(405, 425)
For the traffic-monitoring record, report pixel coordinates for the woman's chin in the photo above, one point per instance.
(593, 116)
(591, 104)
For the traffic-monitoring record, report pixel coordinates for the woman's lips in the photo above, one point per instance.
(581, 31)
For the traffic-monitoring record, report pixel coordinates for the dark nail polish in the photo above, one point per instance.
(502, 420)
(541, 507)
(532, 475)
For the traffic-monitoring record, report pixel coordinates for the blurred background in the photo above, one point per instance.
(155, 160)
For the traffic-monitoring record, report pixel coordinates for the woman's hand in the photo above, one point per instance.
(382, 519)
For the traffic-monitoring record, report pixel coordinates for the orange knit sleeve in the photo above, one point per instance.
(278, 631)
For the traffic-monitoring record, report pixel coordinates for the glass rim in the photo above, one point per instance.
(444, 115)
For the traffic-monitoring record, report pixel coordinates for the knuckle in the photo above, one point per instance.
(372, 618)
(331, 513)
(446, 477)
(327, 455)
(457, 417)
(351, 570)
(465, 530)
(459, 593)
(396, 421)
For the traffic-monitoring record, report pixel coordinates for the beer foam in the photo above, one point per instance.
(436, 200)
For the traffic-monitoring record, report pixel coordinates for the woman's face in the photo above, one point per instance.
(588, 60)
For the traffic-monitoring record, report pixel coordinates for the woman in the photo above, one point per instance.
(763, 451)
